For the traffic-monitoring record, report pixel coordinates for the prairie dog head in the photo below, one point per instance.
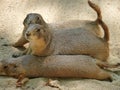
(33, 18)
(35, 32)
(11, 68)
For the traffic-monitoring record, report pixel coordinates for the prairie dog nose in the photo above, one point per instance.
(5, 67)
(27, 33)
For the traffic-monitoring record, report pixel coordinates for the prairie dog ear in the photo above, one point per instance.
(40, 20)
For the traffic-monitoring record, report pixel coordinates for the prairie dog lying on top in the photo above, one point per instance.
(44, 42)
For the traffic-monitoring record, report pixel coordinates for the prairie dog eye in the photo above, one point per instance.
(29, 22)
(5, 67)
(37, 30)
(37, 18)
(15, 66)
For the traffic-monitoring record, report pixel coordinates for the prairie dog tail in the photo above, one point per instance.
(99, 20)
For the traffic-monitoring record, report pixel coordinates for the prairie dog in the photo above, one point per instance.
(44, 42)
(76, 66)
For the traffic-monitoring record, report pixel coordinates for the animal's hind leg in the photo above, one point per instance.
(102, 64)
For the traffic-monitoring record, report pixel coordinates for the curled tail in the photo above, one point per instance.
(99, 20)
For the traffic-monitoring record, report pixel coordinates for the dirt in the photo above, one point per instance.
(12, 14)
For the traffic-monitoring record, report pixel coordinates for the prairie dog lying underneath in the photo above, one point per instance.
(76, 66)
(93, 26)
(69, 66)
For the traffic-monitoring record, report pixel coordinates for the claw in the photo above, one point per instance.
(53, 83)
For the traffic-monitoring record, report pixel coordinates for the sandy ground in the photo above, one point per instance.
(12, 13)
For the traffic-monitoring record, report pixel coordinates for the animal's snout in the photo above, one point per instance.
(5, 67)
(27, 34)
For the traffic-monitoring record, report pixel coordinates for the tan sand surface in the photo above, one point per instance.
(12, 13)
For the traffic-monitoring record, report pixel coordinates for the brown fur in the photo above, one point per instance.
(67, 41)
(77, 66)
(73, 41)
(93, 26)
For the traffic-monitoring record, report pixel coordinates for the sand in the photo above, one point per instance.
(12, 14)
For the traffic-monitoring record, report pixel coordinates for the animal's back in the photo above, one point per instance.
(91, 26)
(53, 66)
(80, 41)
(81, 66)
